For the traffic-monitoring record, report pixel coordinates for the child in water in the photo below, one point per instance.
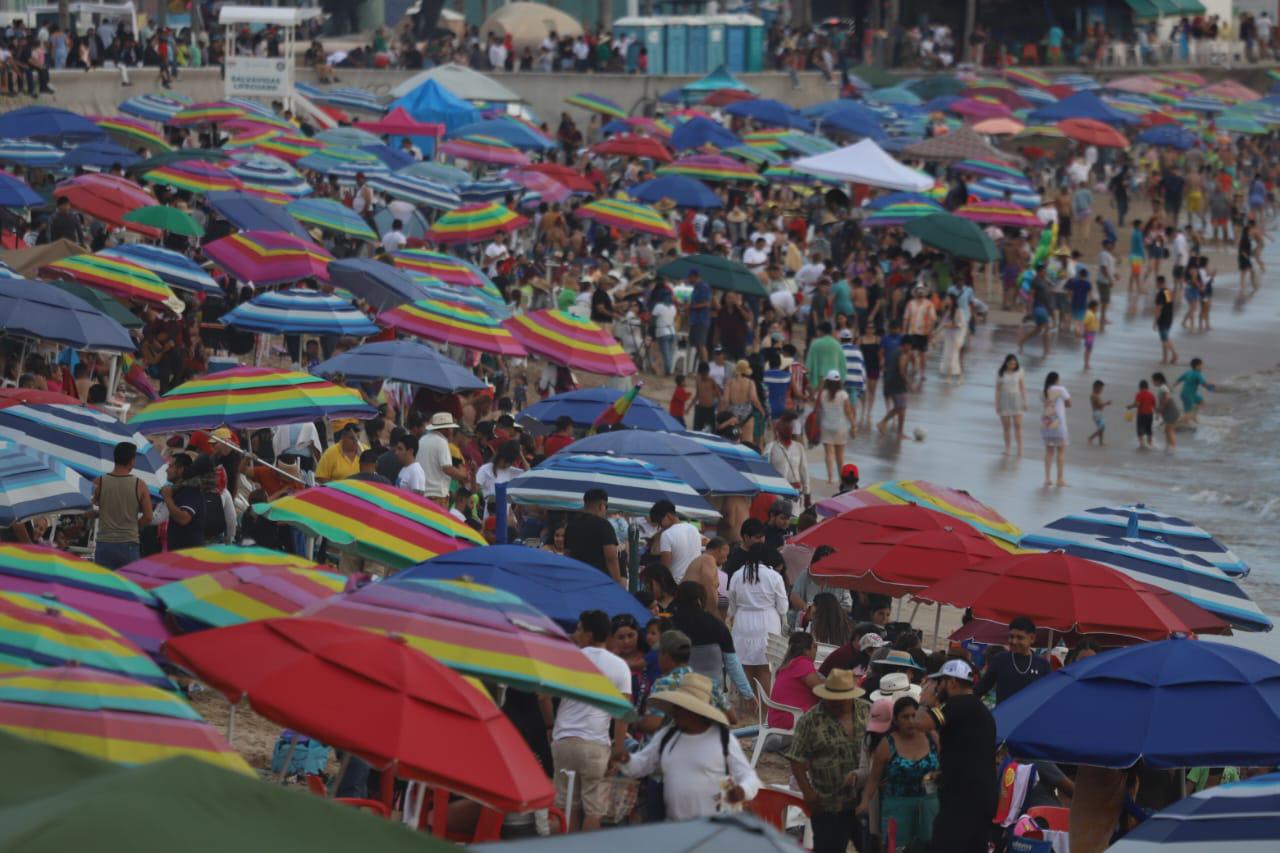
(1192, 381)
(1097, 404)
(1090, 325)
(1145, 404)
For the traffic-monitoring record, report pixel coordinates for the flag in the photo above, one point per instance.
(617, 410)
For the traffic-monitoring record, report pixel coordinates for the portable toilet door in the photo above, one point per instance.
(652, 37)
(715, 41)
(735, 43)
(677, 40)
(755, 43)
(696, 46)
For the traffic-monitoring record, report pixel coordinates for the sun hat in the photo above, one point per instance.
(292, 469)
(898, 658)
(839, 685)
(881, 717)
(833, 376)
(694, 695)
(870, 641)
(956, 669)
(441, 420)
(742, 368)
(895, 685)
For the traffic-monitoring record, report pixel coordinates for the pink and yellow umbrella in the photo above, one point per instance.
(171, 566)
(712, 167)
(269, 257)
(447, 268)
(484, 149)
(472, 222)
(290, 147)
(627, 216)
(954, 502)
(132, 131)
(194, 176)
(117, 277)
(573, 342)
(452, 323)
(997, 212)
(207, 112)
(247, 594)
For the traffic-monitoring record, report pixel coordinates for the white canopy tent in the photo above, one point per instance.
(865, 163)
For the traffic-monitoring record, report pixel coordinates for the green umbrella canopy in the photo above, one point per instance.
(61, 801)
(957, 237)
(166, 219)
(935, 86)
(104, 303)
(720, 273)
(874, 75)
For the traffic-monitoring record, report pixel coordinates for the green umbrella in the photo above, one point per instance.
(62, 801)
(102, 301)
(874, 76)
(957, 237)
(720, 273)
(166, 219)
(936, 86)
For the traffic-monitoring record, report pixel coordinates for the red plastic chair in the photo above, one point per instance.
(372, 806)
(1058, 817)
(770, 805)
(315, 785)
(435, 820)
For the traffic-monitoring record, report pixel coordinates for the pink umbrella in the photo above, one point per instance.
(980, 107)
(269, 257)
(484, 149)
(1138, 84)
(544, 185)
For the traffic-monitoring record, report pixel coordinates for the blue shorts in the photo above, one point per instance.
(1041, 315)
(1164, 332)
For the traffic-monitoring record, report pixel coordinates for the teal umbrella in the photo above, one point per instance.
(957, 237)
(720, 273)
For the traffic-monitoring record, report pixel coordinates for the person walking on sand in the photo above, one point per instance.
(1192, 381)
(897, 366)
(1041, 301)
(1163, 322)
(1011, 401)
(1167, 406)
(1144, 404)
(1053, 427)
(1245, 260)
(1097, 405)
(1090, 324)
(1137, 256)
(836, 419)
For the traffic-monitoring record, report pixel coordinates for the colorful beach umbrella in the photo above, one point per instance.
(29, 153)
(633, 486)
(450, 322)
(289, 147)
(956, 503)
(378, 521)
(597, 104)
(168, 219)
(121, 278)
(439, 265)
(40, 311)
(487, 189)
(331, 216)
(1093, 132)
(711, 167)
(480, 631)
(248, 397)
(107, 197)
(173, 268)
(627, 216)
(269, 257)
(80, 437)
(343, 163)
(416, 190)
(194, 176)
(479, 148)
(472, 222)
(571, 341)
(266, 174)
(33, 484)
(246, 594)
(900, 214)
(169, 567)
(204, 113)
(1002, 213)
(988, 168)
(1238, 817)
(131, 131)
(109, 717)
(153, 107)
(756, 468)
(299, 311)
(633, 145)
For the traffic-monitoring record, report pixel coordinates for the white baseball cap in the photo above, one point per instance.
(833, 376)
(870, 641)
(955, 669)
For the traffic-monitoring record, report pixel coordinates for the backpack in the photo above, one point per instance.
(309, 756)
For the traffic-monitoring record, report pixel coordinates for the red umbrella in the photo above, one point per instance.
(109, 198)
(24, 396)
(375, 697)
(633, 145)
(863, 522)
(898, 562)
(398, 122)
(1093, 132)
(571, 178)
(1070, 594)
(725, 97)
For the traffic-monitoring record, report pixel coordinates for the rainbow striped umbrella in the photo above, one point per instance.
(901, 213)
(1027, 77)
(195, 176)
(562, 338)
(597, 104)
(479, 631)
(249, 397)
(997, 212)
(330, 215)
(343, 163)
(300, 311)
(130, 131)
(472, 222)
(447, 268)
(268, 174)
(954, 502)
(289, 147)
(206, 112)
(479, 148)
(58, 576)
(269, 257)
(247, 594)
(991, 168)
(754, 156)
(381, 522)
(627, 216)
(450, 322)
(154, 107)
(769, 139)
(109, 717)
(711, 167)
(37, 632)
(120, 278)
(486, 297)
(170, 566)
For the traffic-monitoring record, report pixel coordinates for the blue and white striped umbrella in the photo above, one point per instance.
(344, 164)
(752, 465)
(478, 298)
(347, 137)
(488, 189)
(1079, 82)
(441, 173)
(6, 271)
(300, 312)
(1240, 817)
(633, 486)
(81, 438)
(27, 152)
(253, 107)
(413, 224)
(159, 108)
(415, 190)
(1139, 521)
(259, 171)
(1203, 104)
(991, 189)
(1036, 96)
(174, 269)
(1160, 565)
(343, 96)
(33, 484)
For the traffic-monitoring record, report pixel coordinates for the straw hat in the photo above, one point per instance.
(839, 685)
(694, 695)
(441, 420)
(664, 204)
(895, 685)
(293, 469)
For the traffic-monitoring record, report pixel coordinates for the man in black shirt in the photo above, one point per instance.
(185, 502)
(967, 733)
(752, 533)
(1015, 669)
(779, 526)
(64, 225)
(590, 537)
(601, 302)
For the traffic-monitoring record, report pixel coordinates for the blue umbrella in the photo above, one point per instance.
(633, 485)
(343, 164)
(392, 158)
(1153, 703)
(441, 173)
(699, 131)
(487, 189)
(416, 190)
(681, 189)
(585, 405)
(29, 153)
(98, 155)
(300, 312)
(250, 213)
(558, 586)
(33, 309)
(32, 484)
(401, 361)
(751, 464)
(14, 192)
(159, 108)
(381, 285)
(1240, 817)
(701, 468)
(174, 269)
(895, 95)
(270, 173)
(512, 132)
(48, 123)
(825, 107)
(861, 122)
(81, 438)
(770, 112)
(343, 96)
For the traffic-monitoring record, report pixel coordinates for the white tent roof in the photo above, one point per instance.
(865, 163)
(461, 81)
(269, 15)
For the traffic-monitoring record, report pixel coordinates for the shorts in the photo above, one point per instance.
(838, 437)
(899, 401)
(1179, 272)
(1191, 294)
(1104, 292)
(871, 360)
(1163, 331)
(1135, 265)
(589, 761)
(919, 343)
(1244, 262)
(1064, 227)
(1099, 422)
(698, 334)
(1144, 425)
(1041, 315)
(1077, 314)
(1089, 338)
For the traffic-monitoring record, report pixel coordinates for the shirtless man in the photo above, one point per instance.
(706, 399)
(705, 569)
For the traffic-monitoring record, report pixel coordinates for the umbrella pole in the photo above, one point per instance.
(937, 623)
(231, 722)
(256, 458)
(288, 759)
(113, 376)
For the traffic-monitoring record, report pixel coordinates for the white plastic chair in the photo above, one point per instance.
(765, 730)
(824, 649)
(775, 650)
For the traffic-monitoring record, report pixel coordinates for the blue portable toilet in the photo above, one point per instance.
(676, 40)
(648, 32)
(755, 43)
(735, 43)
(696, 46)
(623, 27)
(715, 41)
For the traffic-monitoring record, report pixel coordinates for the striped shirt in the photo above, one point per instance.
(777, 385)
(855, 379)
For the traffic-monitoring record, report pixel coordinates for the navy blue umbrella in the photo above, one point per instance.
(699, 131)
(511, 132)
(859, 122)
(681, 189)
(1169, 136)
(14, 192)
(381, 285)
(701, 468)
(33, 484)
(394, 158)
(770, 112)
(558, 586)
(1154, 703)
(99, 155)
(401, 361)
(48, 124)
(34, 309)
(585, 405)
(1241, 817)
(249, 213)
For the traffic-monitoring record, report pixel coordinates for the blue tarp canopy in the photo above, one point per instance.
(434, 103)
(699, 131)
(1081, 105)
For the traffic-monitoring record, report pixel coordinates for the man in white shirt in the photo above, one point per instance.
(679, 542)
(1181, 258)
(755, 257)
(296, 438)
(411, 477)
(394, 240)
(580, 738)
(435, 460)
(495, 253)
(497, 55)
(362, 198)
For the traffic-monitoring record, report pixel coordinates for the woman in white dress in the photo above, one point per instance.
(1053, 426)
(757, 608)
(954, 330)
(1011, 401)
